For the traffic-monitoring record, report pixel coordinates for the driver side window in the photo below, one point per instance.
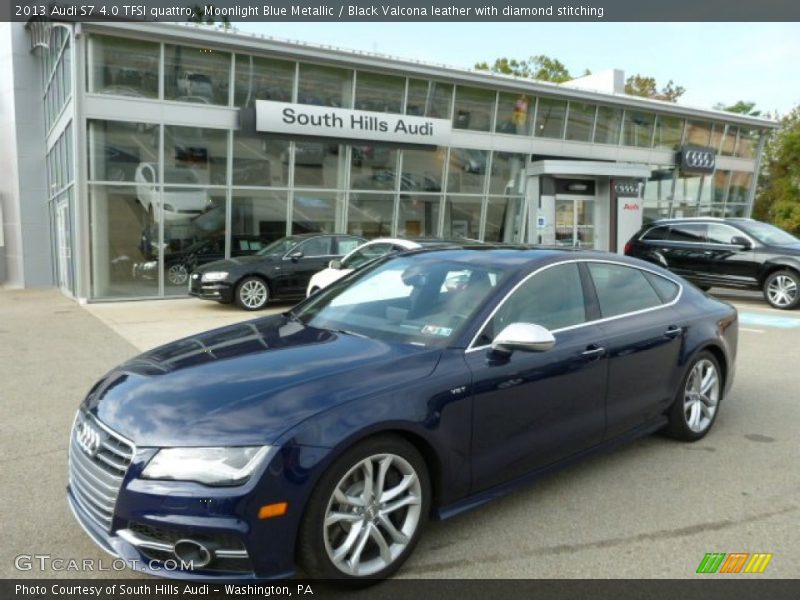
(320, 246)
(553, 298)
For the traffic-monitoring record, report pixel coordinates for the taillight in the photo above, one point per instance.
(628, 247)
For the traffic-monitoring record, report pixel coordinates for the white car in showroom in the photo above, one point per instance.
(361, 256)
(180, 204)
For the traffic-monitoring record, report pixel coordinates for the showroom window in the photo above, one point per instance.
(729, 141)
(259, 78)
(325, 86)
(668, 132)
(422, 170)
(609, 125)
(462, 217)
(418, 215)
(717, 132)
(507, 170)
(740, 187)
(514, 113)
(260, 160)
(316, 212)
(261, 213)
(370, 215)
(747, 145)
(379, 93)
(118, 151)
(637, 129)
(580, 121)
(195, 155)
(502, 219)
(467, 172)
(123, 67)
(474, 108)
(427, 98)
(550, 114)
(698, 133)
(319, 165)
(196, 75)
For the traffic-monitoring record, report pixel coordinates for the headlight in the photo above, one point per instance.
(215, 276)
(211, 466)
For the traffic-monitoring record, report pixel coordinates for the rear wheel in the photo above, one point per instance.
(177, 274)
(697, 403)
(782, 290)
(367, 512)
(252, 293)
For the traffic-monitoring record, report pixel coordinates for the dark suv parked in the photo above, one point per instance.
(732, 253)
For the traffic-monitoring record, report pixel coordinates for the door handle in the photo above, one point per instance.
(593, 352)
(673, 331)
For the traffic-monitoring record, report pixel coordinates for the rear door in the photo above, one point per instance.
(643, 333)
(733, 264)
(686, 251)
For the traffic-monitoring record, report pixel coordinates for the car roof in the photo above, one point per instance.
(304, 236)
(700, 220)
(516, 255)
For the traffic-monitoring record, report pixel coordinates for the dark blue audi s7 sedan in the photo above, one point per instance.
(418, 387)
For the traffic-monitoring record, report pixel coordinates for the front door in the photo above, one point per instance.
(533, 408)
(575, 222)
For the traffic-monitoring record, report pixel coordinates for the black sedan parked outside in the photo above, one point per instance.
(329, 435)
(730, 253)
(280, 270)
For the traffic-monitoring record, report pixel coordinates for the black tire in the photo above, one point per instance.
(782, 289)
(252, 293)
(680, 423)
(314, 539)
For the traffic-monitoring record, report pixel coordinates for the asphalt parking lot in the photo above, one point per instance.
(651, 509)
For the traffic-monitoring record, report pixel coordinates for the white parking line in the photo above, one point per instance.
(751, 330)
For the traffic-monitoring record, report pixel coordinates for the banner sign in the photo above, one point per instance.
(328, 121)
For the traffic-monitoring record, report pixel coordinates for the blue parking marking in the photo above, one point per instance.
(749, 318)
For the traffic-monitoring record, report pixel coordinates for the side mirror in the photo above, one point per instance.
(335, 264)
(295, 256)
(527, 337)
(739, 240)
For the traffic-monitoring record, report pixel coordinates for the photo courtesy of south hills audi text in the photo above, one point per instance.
(160, 590)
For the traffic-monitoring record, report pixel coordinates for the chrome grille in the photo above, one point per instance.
(98, 461)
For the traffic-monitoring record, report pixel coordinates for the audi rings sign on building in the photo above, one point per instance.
(626, 188)
(695, 159)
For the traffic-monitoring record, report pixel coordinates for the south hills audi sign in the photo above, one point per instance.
(697, 159)
(325, 121)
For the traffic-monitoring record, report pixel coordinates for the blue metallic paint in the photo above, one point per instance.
(313, 393)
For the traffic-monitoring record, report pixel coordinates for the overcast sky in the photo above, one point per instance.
(715, 62)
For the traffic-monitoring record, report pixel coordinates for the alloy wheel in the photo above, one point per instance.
(253, 293)
(701, 396)
(177, 274)
(372, 515)
(782, 291)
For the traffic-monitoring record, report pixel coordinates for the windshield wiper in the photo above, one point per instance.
(345, 332)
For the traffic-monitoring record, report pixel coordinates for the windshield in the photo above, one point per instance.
(281, 246)
(424, 300)
(768, 234)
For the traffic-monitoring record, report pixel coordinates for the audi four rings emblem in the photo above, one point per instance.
(700, 159)
(88, 438)
(627, 189)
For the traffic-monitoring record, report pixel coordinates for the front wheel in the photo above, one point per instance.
(782, 290)
(178, 274)
(697, 402)
(252, 293)
(367, 512)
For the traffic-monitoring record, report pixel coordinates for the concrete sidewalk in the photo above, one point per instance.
(150, 323)
(51, 352)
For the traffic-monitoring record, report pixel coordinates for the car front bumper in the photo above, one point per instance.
(221, 291)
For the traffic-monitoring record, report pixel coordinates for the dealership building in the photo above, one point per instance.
(125, 144)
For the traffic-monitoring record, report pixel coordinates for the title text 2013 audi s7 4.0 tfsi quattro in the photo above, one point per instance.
(327, 436)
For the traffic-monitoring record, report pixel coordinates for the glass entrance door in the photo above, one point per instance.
(575, 222)
(64, 246)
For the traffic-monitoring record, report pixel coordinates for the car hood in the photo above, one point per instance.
(247, 384)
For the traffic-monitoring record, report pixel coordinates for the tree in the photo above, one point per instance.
(639, 85)
(778, 199)
(742, 107)
(540, 67)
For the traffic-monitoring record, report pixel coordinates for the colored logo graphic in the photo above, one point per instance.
(735, 562)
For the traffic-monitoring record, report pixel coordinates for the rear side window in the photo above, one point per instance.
(347, 245)
(665, 288)
(320, 246)
(656, 233)
(689, 232)
(622, 289)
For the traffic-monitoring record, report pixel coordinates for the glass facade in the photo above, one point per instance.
(171, 186)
